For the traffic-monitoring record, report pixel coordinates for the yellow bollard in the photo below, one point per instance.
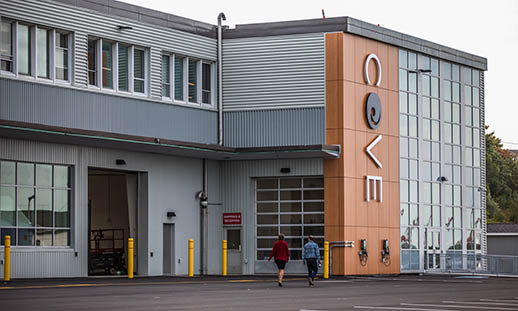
(326, 260)
(130, 258)
(7, 258)
(224, 259)
(191, 257)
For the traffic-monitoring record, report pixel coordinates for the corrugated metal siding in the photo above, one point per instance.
(67, 107)
(274, 72)
(278, 127)
(60, 16)
(171, 183)
(483, 163)
(80, 71)
(156, 73)
(238, 192)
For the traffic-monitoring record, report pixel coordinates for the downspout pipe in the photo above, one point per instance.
(221, 17)
(204, 223)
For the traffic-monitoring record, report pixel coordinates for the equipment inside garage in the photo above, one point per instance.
(112, 212)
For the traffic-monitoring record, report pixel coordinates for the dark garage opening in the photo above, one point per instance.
(112, 219)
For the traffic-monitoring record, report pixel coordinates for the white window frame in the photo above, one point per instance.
(185, 84)
(33, 33)
(14, 47)
(115, 68)
(69, 58)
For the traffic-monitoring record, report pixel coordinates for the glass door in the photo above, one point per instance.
(433, 249)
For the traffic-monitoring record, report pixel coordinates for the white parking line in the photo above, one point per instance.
(484, 303)
(500, 300)
(457, 306)
(399, 308)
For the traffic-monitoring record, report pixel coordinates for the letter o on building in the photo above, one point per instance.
(366, 69)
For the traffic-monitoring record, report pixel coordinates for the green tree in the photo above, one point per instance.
(502, 181)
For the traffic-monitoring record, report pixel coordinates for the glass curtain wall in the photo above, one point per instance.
(440, 177)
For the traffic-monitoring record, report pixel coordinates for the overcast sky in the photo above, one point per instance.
(484, 28)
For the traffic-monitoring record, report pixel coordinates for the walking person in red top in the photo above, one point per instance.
(281, 253)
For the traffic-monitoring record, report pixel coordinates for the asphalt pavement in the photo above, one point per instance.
(426, 293)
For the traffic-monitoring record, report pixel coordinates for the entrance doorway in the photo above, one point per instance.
(169, 261)
(234, 250)
(112, 219)
(433, 249)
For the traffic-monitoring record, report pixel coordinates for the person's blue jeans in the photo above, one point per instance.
(312, 267)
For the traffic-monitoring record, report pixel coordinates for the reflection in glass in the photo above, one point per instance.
(61, 237)
(44, 237)
(7, 206)
(44, 207)
(25, 209)
(44, 175)
(42, 41)
(25, 174)
(267, 184)
(61, 208)
(26, 237)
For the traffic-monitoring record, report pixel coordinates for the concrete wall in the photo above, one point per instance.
(166, 183)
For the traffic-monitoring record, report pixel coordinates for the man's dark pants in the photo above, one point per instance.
(312, 267)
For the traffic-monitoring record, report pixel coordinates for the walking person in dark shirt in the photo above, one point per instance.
(281, 253)
(311, 256)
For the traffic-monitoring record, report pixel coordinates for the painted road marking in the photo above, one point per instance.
(141, 283)
(399, 308)
(457, 306)
(484, 303)
(499, 300)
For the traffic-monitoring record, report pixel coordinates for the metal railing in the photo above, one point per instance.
(500, 265)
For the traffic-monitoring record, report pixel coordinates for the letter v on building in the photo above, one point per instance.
(369, 148)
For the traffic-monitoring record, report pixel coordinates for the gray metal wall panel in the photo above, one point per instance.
(61, 16)
(274, 72)
(67, 107)
(80, 54)
(172, 185)
(502, 245)
(278, 127)
(156, 73)
(237, 180)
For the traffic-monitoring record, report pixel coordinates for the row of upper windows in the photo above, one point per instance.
(46, 54)
(34, 51)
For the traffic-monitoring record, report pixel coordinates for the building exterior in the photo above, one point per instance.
(502, 239)
(109, 123)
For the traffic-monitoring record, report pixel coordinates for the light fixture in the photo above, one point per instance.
(120, 162)
(124, 27)
(285, 170)
(442, 178)
(171, 214)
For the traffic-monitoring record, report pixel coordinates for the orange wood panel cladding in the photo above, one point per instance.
(348, 215)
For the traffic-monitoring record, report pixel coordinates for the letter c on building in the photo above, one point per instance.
(366, 69)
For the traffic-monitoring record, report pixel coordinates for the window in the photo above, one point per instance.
(292, 206)
(116, 66)
(92, 62)
(123, 67)
(206, 84)
(166, 76)
(6, 46)
(35, 204)
(43, 46)
(139, 71)
(40, 53)
(61, 56)
(24, 50)
(107, 65)
(193, 81)
(179, 78)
